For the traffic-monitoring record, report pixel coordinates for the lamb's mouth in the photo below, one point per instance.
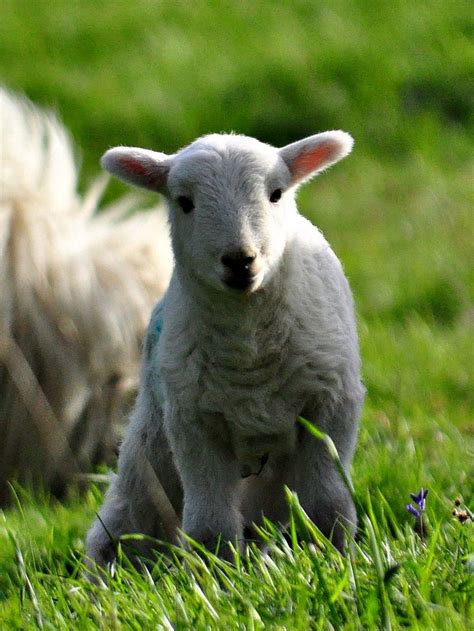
(242, 282)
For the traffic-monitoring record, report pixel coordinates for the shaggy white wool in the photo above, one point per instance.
(76, 290)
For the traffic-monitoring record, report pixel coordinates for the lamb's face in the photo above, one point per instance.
(231, 200)
(230, 208)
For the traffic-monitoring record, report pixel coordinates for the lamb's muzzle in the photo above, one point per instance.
(241, 268)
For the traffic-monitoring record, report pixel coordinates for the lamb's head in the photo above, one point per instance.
(231, 200)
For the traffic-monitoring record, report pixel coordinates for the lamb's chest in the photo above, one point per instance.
(256, 408)
(242, 393)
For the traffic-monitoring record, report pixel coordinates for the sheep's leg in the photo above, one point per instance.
(321, 489)
(111, 523)
(264, 495)
(146, 495)
(323, 495)
(211, 484)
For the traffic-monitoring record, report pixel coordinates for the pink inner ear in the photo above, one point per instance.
(311, 160)
(133, 166)
(147, 175)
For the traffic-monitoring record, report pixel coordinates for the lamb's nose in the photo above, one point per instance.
(239, 262)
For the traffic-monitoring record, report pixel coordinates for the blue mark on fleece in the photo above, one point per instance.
(154, 329)
(152, 341)
(158, 321)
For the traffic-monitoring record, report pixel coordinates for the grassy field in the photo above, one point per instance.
(398, 76)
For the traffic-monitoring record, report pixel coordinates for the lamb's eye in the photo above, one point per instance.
(275, 196)
(186, 203)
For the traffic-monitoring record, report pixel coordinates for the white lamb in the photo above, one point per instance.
(256, 328)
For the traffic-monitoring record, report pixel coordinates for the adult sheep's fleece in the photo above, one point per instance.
(76, 289)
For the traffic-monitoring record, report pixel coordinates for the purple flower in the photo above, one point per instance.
(420, 499)
(411, 509)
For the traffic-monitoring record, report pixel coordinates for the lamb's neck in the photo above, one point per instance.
(240, 330)
(240, 311)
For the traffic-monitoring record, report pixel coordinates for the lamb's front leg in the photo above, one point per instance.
(321, 490)
(211, 483)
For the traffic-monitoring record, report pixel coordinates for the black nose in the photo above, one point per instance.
(239, 263)
(240, 268)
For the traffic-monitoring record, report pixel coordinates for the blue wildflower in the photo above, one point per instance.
(411, 509)
(420, 500)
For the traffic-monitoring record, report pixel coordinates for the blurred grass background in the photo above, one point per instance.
(399, 77)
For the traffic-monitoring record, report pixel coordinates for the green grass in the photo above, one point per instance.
(161, 73)
(398, 212)
(391, 578)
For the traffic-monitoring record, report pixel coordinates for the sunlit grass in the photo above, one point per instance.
(390, 578)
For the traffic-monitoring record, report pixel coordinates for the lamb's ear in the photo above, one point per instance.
(142, 167)
(311, 155)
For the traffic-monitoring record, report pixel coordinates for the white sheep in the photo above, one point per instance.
(257, 327)
(76, 288)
